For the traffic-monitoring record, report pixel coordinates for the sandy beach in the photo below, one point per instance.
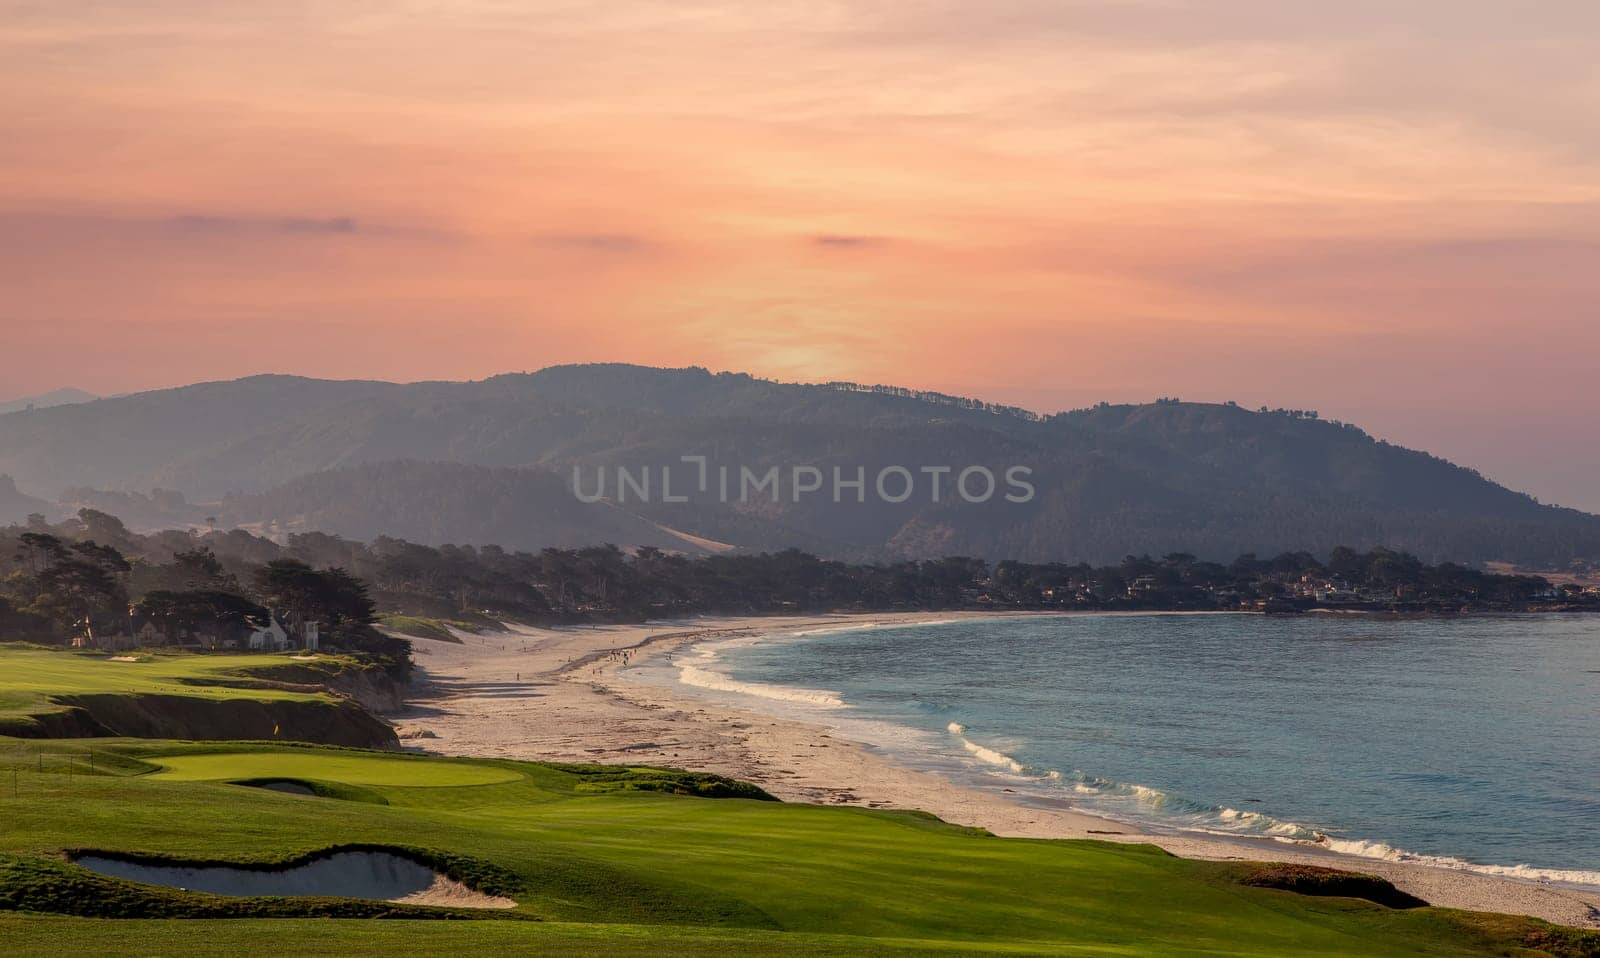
(564, 695)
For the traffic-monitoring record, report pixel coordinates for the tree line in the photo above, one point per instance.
(605, 583)
(86, 580)
(57, 581)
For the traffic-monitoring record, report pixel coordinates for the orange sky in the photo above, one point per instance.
(1388, 216)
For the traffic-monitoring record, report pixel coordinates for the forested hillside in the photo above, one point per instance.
(490, 461)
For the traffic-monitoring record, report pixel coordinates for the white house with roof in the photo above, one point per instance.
(272, 637)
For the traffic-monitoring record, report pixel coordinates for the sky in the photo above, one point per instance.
(1385, 211)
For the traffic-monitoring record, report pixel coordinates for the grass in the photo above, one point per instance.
(51, 938)
(351, 769)
(427, 627)
(31, 678)
(633, 870)
(595, 779)
(34, 884)
(52, 693)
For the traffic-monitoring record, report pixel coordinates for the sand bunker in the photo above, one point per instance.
(288, 788)
(380, 876)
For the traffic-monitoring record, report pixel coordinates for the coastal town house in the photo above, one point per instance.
(150, 635)
(117, 635)
(274, 637)
(269, 637)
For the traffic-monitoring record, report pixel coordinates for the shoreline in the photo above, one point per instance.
(563, 694)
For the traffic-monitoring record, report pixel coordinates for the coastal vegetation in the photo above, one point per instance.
(631, 871)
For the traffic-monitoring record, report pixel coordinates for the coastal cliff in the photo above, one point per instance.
(197, 719)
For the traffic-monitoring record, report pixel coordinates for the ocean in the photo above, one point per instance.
(1472, 742)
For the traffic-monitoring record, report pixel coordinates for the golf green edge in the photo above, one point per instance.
(640, 860)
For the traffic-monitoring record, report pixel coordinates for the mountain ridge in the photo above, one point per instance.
(1162, 476)
(65, 396)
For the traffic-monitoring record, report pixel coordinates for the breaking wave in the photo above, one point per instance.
(699, 672)
(984, 754)
(1006, 759)
(1378, 850)
(867, 627)
(1142, 805)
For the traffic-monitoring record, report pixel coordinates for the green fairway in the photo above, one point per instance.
(353, 769)
(614, 870)
(31, 677)
(52, 693)
(51, 938)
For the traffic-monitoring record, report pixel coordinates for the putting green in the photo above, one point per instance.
(349, 769)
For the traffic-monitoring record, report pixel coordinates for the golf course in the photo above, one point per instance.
(623, 861)
(47, 693)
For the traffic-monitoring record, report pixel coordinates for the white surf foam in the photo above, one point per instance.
(1122, 801)
(1363, 848)
(698, 669)
(985, 754)
(699, 672)
(1141, 804)
(868, 627)
(709, 679)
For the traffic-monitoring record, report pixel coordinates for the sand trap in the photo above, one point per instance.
(379, 876)
(288, 788)
(123, 658)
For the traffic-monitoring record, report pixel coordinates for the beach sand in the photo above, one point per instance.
(562, 695)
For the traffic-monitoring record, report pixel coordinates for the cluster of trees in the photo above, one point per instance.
(938, 399)
(1311, 414)
(90, 578)
(66, 583)
(1380, 578)
(55, 580)
(603, 582)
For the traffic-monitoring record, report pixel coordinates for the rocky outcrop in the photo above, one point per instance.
(66, 723)
(372, 688)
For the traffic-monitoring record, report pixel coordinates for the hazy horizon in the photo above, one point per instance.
(1383, 214)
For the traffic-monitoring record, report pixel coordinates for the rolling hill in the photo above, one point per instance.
(65, 396)
(492, 462)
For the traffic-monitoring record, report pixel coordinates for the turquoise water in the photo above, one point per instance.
(1471, 740)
